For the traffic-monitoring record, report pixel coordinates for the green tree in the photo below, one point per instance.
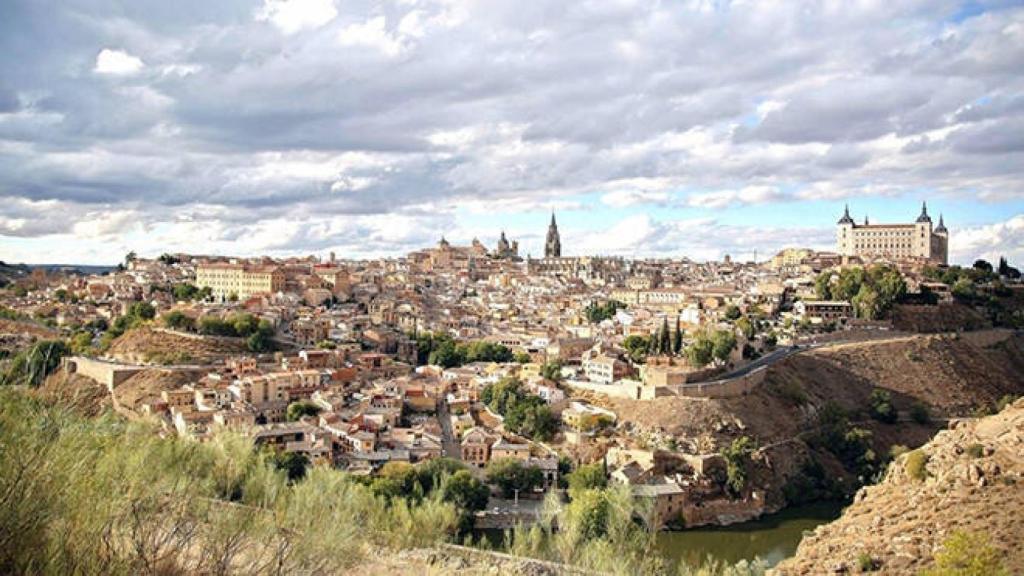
(746, 327)
(664, 339)
(737, 463)
(732, 312)
(552, 370)
(293, 464)
(636, 347)
(700, 352)
(723, 342)
(178, 320)
(522, 358)
(465, 491)
(881, 406)
(677, 339)
(510, 475)
(296, 410)
(587, 477)
(81, 343)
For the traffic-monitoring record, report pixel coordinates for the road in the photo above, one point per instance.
(449, 445)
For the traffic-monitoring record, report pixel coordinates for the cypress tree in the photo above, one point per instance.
(677, 340)
(664, 343)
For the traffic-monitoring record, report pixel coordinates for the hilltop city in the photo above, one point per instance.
(683, 382)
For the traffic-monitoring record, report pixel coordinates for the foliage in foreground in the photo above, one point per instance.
(107, 497)
(967, 554)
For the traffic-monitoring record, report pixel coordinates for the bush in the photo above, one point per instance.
(866, 563)
(178, 320)
(919, 414)
(882, 408)
(587, 477)
(967, 554)
(737, 463)
(975, 450)
(917, 462)
(30, 367)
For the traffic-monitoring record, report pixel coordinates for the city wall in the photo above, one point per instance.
(108, 374)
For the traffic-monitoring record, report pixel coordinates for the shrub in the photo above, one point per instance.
(917, 462)
(919, 413)
(865, 562)
(975, 450)
(881, 408)
(967, 554)
(509, 475)
(737, 462)
(587, 477)
(897, 450)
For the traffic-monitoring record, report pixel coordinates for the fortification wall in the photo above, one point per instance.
(108, 374)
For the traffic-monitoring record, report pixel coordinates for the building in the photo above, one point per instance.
(553, 244)
(916, 240)
(239, 281)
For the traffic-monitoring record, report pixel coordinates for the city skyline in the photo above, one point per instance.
(696, 129)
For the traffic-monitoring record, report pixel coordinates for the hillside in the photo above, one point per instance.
(81, 393)
(951, 375)
(155, 346)
(973, 482)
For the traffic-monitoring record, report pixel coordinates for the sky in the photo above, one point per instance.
(652, 128)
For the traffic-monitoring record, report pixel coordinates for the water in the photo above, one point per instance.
(771, 538)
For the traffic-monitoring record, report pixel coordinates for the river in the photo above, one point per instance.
(771, 538)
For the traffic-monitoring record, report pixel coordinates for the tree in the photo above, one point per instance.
(522, 358)
(465, 491)
(81, 343)
(178, 320)
(587, 477)
(636, 347)
(700, 352)
(509, 475)
(723, 343)
(677, 339)
(737, 461)
(293, 463)
(129, 258)
(552, 370)
(866, 303)
(30, 367)
(142, 310)
(732, 312)
(983, 266)
(296, 410)
(746, 327)
(881, 406)
(664, 341)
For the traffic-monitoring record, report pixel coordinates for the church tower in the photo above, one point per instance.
(553, 245)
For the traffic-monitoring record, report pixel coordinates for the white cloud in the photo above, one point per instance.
(117, 62)
(291, 16)
(989, 242)
(727, 198)
(371, 34)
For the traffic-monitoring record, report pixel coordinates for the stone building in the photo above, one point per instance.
(913, 241)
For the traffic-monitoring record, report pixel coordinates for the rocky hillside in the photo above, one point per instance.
(968, 478)
(950, 375)
(156, 346)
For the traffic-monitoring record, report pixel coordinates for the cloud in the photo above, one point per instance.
(418, 110)
(291, 16)
(991, 241)
(117, 63)
(733, 198)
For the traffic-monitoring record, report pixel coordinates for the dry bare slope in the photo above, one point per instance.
(973, 480)
(147, 345)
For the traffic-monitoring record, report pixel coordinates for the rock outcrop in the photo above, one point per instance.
(972, 479)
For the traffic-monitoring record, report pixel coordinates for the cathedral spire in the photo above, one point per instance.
(553, 242)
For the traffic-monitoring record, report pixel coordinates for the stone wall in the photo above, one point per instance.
(109, 374)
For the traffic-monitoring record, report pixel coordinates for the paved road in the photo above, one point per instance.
(449, 445)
